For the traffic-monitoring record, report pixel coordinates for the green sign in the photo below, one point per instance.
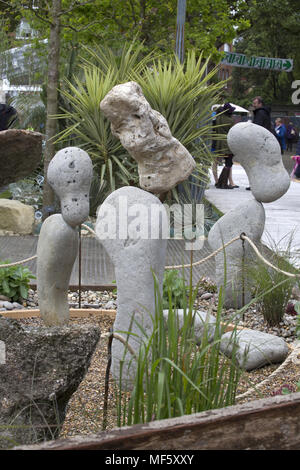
(265, 63)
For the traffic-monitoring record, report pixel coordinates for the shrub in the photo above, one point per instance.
(273, 289)
(174, 288)
(14, 281)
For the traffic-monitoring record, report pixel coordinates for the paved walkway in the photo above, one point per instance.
(282, 216)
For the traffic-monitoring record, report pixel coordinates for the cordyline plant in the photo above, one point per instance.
(182, 93)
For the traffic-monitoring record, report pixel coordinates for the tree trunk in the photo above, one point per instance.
(52, 99)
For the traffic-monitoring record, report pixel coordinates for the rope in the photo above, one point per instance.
(196, 263)
(17, 262)
(244, 237)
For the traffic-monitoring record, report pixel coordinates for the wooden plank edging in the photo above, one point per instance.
(267, 424)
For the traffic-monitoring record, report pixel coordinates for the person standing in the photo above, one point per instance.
(261, 116)
(224, 122)
(261, 113)
(291, 136)
(280, 131)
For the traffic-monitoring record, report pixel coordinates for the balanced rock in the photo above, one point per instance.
(16, 217)
(254, 348)
(163, 161)
(258, 151)
(21, 153)
(56, 253)
(129, 226)
(40, 370)
(248, 218)
(70, 174)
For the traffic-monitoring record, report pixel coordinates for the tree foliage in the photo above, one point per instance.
(274, 32)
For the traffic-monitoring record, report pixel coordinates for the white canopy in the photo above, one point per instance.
(238, 109)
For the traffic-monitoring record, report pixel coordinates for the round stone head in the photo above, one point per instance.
(70, 174)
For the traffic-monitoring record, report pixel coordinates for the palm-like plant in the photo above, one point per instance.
(181, 93)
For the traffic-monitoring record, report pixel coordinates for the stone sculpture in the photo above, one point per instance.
(258, 151)
(70, 174)
(137, 251)
(163, 161)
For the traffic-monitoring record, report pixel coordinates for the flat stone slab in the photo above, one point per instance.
(254, 348)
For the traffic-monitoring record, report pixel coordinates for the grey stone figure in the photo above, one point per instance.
(258, 151)
(70, 174)
(130, 226)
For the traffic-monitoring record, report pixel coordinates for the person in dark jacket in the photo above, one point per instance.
(224, 122)
(8, 115)
(291, 136)
(261, 116)
(261, 113)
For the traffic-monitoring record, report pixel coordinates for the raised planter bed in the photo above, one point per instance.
(268, 424)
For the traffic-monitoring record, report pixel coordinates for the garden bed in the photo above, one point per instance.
(85, 409)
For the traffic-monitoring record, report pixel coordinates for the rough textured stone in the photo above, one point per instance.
(162, 160)
(21, 153)
(16, 217)
(43, 368)
(258, 151)
(135, 251)
(200, 320)
(249, 218)
(70, 174)
(56, 253)
(255, 348)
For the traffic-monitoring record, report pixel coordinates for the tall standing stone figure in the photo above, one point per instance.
(163, 162)
(258, 151)
(70, 175)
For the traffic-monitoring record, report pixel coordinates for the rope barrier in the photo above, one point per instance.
(17, 262)
(242, 236)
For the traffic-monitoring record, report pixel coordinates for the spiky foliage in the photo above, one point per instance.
(181, 93)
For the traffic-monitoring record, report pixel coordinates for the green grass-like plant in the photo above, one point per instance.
(14, 281)
(272, 289)
(175, 376)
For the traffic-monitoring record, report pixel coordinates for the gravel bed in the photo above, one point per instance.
(85, 409)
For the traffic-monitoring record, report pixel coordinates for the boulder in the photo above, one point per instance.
(200, 320)
(163, 161)
(254, 348)
(258, 151)
(40, 370)
(21, 153)
(16, 217)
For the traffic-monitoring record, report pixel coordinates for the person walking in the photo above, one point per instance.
(291, 136)
(224, 122)
(280, 131)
